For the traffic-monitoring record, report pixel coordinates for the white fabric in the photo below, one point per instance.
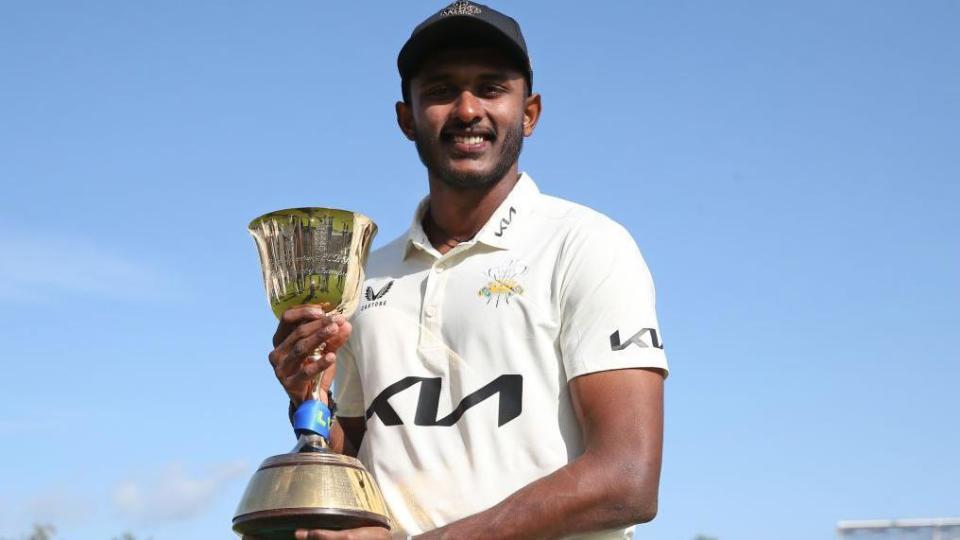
(532, 301)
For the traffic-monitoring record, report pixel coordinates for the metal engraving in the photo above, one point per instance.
(313, 256)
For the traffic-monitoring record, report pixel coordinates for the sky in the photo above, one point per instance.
(790, 171)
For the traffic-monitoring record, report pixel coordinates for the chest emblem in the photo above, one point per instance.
(374, 298)
(503, 284)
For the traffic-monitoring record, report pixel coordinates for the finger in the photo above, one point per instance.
(326, 362)
(308, 372)
(343, 334)
(306, 329)
(300, 344)
(317, 534)
(302, 361)
(294, 316)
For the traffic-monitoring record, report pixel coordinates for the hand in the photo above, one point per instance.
(301, 330)
(363, 533)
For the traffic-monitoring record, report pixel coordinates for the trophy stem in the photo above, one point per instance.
(309, 442)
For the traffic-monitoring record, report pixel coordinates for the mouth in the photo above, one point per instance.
(468, 142)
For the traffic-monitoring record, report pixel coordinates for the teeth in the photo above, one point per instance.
(472, 139)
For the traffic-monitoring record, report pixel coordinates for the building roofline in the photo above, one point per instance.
(849, 525)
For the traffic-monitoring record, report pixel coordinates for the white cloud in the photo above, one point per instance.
(40, 266)
(174, 494)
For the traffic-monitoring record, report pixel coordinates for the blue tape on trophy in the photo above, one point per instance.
(312, 416)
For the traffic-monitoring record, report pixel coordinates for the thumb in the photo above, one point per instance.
(343, 333)
(326, 378)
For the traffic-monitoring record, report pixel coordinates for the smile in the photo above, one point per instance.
(470, 144)
(468, 139)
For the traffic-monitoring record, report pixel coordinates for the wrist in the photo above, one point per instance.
(294, 404)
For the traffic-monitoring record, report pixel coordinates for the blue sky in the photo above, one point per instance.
(789, 169)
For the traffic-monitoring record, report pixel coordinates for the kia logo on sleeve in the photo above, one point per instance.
(637, 340)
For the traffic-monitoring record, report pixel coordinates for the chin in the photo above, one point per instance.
(467, 178)
(463, 173)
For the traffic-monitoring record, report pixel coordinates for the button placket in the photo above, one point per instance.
(430, 315)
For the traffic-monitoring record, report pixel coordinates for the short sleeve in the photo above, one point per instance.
(347, 390)
(607, 302)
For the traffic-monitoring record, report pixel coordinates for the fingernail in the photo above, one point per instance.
(331, 329)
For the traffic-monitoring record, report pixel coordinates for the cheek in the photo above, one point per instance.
(432, 119)
(508, 116)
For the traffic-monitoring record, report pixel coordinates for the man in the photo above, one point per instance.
(504, 371)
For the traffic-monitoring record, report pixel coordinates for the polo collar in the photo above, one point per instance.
(500, 231)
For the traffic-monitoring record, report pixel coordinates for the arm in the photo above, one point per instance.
(346, 435)
(613, 484)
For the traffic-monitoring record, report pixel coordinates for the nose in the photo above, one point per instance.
(468, 108)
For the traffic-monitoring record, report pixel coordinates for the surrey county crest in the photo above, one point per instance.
(503, 283)
(460, 7)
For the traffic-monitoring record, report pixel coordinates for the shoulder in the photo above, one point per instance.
(581, 226)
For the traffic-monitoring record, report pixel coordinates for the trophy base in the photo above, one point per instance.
(281, 524)
(309, 490)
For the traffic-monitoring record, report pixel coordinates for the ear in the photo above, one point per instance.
(405, 120)
(531, 114)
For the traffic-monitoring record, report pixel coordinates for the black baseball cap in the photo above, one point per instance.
(464, 24)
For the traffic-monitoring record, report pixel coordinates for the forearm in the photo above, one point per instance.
(592, 493)
(337, 441)
(613, 484)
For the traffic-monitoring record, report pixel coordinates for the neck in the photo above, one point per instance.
(457, 214)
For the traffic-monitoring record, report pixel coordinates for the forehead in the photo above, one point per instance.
(468, 62)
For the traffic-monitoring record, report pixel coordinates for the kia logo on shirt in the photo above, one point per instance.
(505, 222)
(509, 388)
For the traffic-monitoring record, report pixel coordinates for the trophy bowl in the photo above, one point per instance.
(311, 256)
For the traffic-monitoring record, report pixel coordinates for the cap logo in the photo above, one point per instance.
(460, 7)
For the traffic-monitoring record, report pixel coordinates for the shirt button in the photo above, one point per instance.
(431, 311)
(439, 269)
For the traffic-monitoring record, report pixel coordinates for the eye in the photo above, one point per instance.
(493, 90)
(437, 90)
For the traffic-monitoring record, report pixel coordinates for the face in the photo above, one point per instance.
(468, 114)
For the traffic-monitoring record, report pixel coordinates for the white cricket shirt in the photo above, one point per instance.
(460, 362)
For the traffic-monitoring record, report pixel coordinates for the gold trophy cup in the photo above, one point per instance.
(311, 256)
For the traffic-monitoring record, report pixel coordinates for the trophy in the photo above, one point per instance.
(311, 256)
